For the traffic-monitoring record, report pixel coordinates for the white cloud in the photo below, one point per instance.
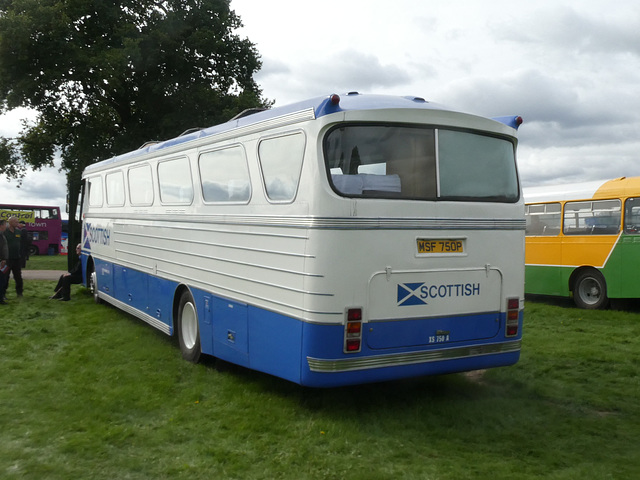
(346, 70)
(43, 187)
(587, 32)
(11, 122)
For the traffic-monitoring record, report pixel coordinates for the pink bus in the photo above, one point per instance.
(43, 223)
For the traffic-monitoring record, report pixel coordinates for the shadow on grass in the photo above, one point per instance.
(437, 390)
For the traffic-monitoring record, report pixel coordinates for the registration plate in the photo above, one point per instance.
(439, 245)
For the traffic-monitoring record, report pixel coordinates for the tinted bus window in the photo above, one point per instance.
(382, 161)
(476, 167)
(403, 162)
(95, 191)
(115, 189)
(174, 177)
(140, 185)
(543, 219)
(600, 217)
(225, 176)
(281, 161)
(632, 216)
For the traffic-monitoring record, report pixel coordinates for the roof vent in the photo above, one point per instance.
(148, 144)
(190, 130)
(247, 112)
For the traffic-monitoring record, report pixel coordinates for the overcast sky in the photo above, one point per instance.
(570, 69)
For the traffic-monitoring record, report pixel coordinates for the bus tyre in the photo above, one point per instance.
(187, 328)
(590, 290)
(93, 286)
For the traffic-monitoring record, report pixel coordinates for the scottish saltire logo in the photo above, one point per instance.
(97, 234)
(418, 293)
(409, 294)
(85, 235)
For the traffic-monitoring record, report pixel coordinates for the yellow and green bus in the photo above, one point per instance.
(584, 240)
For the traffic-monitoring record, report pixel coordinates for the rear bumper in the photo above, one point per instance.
(326, 365)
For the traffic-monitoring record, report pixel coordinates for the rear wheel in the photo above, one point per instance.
(590, 290)
(187, 328)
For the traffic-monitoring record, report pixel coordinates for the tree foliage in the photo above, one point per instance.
(105, 76)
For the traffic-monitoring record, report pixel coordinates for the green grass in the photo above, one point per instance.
(47, 262)
(90, 392)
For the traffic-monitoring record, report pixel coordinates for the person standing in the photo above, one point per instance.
(4, 256)
(25, 243)
(13, 234)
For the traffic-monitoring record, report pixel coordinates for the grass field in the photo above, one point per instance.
(47, 262)
(89, 392)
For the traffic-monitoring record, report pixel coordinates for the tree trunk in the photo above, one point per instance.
(74, 184)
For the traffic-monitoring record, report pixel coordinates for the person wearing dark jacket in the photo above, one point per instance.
(25, 243)
(4, 256)
(63, 288)
(13, 234)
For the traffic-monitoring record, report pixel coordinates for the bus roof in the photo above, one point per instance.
(307, 109)
(599, 189)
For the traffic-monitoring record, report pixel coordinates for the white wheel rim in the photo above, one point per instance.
(94, 284)
(189, 324)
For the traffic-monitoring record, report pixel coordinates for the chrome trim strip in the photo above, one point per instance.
(324, 365)
(341, 223)
(398, 223)
(154, 322)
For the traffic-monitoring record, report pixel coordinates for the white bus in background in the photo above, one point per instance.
(336, 241)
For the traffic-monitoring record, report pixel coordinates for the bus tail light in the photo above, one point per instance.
(353, 330)
(513, 316)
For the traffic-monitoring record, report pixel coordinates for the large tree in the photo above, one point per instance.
(105, 76)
